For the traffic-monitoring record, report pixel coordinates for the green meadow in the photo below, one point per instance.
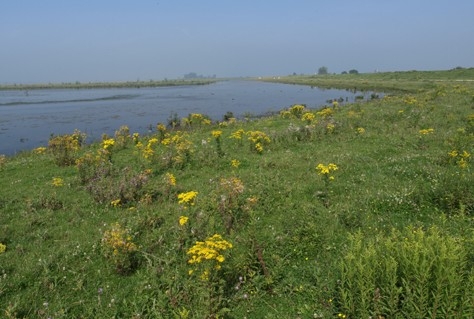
(355, 210)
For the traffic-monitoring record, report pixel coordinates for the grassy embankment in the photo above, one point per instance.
(106, 85)
(108, 230)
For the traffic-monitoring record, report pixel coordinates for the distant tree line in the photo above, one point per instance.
(353, 71)
(324, 70)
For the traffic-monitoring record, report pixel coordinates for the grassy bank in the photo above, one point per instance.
(106, 85)
(351, 211)
(402, 82)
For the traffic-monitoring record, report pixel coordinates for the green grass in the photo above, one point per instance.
(293, 234)
(404, 82)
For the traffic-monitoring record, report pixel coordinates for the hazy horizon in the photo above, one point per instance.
(90, 41)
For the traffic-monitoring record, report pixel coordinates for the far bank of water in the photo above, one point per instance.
(29, 118)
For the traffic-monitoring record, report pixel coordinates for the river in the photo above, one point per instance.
(28, 118)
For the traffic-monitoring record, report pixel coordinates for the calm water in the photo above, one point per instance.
(28, 118)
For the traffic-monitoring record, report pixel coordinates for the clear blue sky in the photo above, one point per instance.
(99, 40)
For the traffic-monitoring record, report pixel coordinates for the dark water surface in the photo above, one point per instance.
(28, 118)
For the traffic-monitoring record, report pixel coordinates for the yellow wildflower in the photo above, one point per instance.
(115, 203)
(108, 144)
(235, 163)
(57, 182)
(2, 248)
(426, 131)
(216, 134)
(171, 180)
(183, 220)
(308, 117)
(326, 169)
(40, 150)
(187, 198)
(453, 153)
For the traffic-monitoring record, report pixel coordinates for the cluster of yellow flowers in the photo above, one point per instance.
(209, 251)
(118, 241)
(426, 131)
(64, 147)
(148, 151)
(183, 220)
(297, 110)
(170, 179)
(360, 130)
(216, 134)
(235, 163)
(136, 138)
(258, 138)
(325, 170)
(178, 146)
(187, 199)
(410, 100)
(57, 182)
(115, 203)
(326, 112)
(2, 248)
(462, 159)
(40, 150)
(237, 134)
(107, 144)
(161, 128)
(197, 118)
(308, 117)
(122, 136)
(330, 127)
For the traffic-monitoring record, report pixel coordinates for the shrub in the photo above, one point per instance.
(118, 246)
(64, 147)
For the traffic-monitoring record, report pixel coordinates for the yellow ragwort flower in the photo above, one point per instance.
(187, 198)
(426, 131)
(216, 134)
(108, 143)
(170, 179)
(57, 182)
(183, 220)
(235, 163)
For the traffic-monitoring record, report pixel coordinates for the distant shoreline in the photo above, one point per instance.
(106, 85)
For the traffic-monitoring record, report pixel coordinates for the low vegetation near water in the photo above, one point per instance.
(106, 85)
(361, 210)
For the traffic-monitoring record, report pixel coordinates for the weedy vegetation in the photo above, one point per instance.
(354, 210)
